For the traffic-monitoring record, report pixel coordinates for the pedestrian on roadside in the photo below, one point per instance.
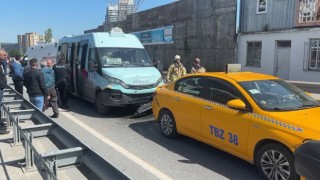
(176, 70)
(34, 82)
(5, 65)
(62, 73)
(196, 67)
(49, 80)
(50, 63)
(3, 84)
(17, 74)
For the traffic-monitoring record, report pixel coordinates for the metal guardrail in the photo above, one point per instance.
(15, 109)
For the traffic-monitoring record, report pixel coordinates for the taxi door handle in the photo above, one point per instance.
(177, 98)
(208, 107)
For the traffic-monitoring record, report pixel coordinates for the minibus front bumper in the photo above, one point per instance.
(117, 98)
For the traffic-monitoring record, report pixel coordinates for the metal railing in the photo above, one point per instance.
(16, 109)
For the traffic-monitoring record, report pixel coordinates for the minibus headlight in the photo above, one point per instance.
(115, 81)
(158, 82)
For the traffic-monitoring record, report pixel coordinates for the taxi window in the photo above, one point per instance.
(191, 85)
(221, 91)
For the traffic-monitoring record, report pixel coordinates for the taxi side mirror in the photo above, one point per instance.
(236, 104)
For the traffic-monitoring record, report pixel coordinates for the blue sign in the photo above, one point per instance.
(155, 36)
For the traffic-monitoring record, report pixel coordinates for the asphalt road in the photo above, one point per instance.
(137, 147)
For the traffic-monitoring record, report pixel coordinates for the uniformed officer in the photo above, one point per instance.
(176, 70)
(62, 73)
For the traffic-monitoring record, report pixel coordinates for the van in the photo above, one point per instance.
(42, 51)
(110, 69)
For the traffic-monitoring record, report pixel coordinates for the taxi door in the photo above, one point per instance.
(187, 105)
(222, 126)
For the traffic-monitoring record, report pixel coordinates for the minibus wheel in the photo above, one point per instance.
(99, 106)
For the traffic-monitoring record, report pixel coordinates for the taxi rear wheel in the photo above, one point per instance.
(167, 124)
(276, 162)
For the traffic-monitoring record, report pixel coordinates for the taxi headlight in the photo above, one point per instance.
(115, 81)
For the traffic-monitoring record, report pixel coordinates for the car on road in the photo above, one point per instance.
(257, 117)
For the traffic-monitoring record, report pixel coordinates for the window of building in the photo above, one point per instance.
(308, 11)
(313, 60)
(261, 6)
(254, 54)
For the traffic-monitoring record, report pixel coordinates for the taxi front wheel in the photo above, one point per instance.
(167, 124)
(276, 162)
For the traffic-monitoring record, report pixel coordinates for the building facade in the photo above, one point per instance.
(281, 38)
(126, 7)
(111, 13)
(29, 39)
(205, 29)
(9, 46)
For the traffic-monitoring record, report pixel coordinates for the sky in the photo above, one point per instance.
(64, 17)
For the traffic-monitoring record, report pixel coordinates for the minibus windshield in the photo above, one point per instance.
(114, 57)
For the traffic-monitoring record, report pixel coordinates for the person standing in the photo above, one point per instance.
(34, 82)
(176, 70)
(17, 74)
(62, 73)
(49, 80)
(5, 65)
(3, 84)
(196, 67)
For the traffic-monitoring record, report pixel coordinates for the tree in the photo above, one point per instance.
(48, 35)
(14, 53)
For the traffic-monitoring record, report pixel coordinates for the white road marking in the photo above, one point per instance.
(118, 148)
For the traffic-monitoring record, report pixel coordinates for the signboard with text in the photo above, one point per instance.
(155, 36)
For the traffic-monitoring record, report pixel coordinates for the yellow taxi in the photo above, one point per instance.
(259, 118)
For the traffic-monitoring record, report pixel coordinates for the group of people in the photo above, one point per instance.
(48, 86)
(177, 70)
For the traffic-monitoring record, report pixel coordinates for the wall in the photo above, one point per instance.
(204, 29)
(298, 39)
(280, 15)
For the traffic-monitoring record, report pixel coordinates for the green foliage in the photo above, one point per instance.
(48, 35)
(14, 53)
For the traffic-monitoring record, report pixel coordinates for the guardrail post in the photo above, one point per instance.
(8, 116)
(52, 164)
(26, 146)
(16, 131)
(32, 154)
(29, 151)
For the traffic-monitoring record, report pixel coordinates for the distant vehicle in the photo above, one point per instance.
(42, 51)
(110, 69)
(257, 117)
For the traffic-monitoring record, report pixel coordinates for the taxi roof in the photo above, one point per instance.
(241, 76)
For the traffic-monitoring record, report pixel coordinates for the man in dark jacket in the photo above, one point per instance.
(49, 79)
(17, 74)
(3, 84)
(62, 73)
(34, 82)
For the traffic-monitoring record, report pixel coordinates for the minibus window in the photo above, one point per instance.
(131, 57)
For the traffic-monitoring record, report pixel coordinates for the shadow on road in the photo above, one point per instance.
(86, 108)
(199, 153)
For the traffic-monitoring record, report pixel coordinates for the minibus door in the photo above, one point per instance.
(74, 66)
(82, 72)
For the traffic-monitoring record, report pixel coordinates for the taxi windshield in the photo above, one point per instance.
(278, 95)
(115, 57)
